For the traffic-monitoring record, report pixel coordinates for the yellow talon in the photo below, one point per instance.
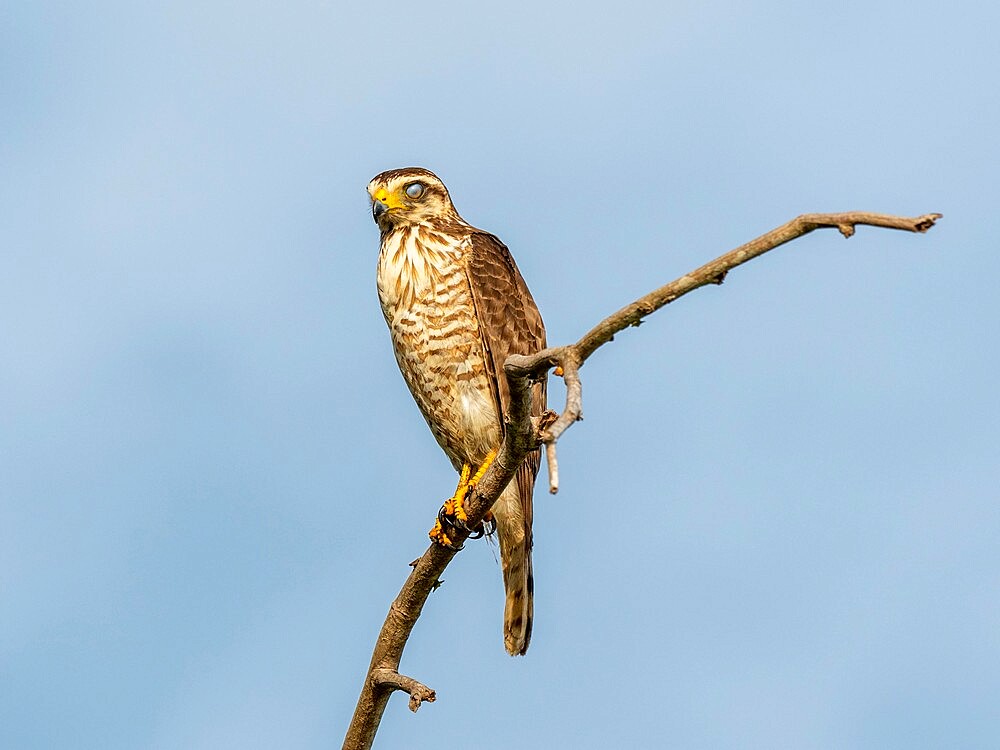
(458, 504)
(437, 535)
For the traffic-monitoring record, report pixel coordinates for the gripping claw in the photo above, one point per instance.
(452, 514)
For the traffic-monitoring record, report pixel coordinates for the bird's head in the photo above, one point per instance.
(409, 196)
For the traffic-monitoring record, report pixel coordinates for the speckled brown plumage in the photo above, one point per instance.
(457, 307)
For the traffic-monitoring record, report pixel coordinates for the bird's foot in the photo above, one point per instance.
(452, 514)
(439, 536)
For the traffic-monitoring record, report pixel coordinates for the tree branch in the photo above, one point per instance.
(522, 435)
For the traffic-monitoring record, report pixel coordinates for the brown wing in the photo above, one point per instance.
(509, 323)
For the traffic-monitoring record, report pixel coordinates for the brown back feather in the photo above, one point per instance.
(509, 323)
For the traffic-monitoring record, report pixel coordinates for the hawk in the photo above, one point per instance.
(457, 307)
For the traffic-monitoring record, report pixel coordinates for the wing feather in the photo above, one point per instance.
(509, 323)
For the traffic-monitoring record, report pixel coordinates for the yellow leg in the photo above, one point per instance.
(488, 519)
(453, 503)
(482, 469)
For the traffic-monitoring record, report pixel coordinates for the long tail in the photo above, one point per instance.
(515, 559)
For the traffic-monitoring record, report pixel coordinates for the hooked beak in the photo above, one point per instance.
(378, 208)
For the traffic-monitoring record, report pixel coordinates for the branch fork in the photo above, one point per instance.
(390, 678)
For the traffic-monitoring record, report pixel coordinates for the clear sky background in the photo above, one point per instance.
(779, 524)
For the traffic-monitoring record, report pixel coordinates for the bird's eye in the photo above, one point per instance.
(414, 190)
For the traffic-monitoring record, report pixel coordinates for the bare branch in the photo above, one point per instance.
(522, 435)
(572, 357)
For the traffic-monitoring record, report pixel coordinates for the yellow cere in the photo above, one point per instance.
(392, 200)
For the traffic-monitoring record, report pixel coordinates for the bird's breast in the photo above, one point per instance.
(428, 306)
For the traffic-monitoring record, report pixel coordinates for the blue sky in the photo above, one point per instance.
(778, 524)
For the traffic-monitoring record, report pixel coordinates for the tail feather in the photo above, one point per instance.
(515, 560)
(518, 613)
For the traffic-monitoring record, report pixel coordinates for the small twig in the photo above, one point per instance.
(395, 681)
(553, 467)
(521, 436)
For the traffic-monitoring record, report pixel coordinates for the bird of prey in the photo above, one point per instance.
(457, 307)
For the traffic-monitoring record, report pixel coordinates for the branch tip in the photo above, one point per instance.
(926, 222)
(553, 467)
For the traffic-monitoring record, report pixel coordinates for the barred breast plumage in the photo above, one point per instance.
(428, 306)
